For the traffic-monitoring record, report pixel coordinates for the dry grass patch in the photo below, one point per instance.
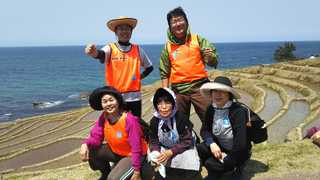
(287, 157)
(267, 161)
(78, 172)
(297, 68)
(307, 62)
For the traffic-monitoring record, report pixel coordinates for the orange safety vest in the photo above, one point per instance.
(186, 61)
(117, 137)
(123, 69)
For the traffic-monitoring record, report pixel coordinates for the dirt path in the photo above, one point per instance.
(94, 115)
(40, 154)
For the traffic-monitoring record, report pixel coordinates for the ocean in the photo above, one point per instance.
(57, 76)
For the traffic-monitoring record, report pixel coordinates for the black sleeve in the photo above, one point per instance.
(184, 127)
(183, 122)
(206, 127)
(146, 72)
(101, 56)
(238, 119)
(185, 142)
(154, 140)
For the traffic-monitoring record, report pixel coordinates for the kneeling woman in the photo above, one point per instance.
(226, 146)
(125, 145)
(172, 139)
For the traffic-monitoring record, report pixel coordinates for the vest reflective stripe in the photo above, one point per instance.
(123, 69)
(117, 137)
(186, 61)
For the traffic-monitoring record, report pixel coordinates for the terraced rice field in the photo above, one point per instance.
(286, 95)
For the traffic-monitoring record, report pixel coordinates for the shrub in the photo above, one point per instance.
(285, 52)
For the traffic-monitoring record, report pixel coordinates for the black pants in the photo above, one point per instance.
(99, 160)
(215, 168)
(134, 107)
(213, 165)
(179, 174)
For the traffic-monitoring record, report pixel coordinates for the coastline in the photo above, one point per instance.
(30, 136)
(72, 73)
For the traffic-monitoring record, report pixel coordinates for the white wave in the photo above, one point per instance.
(49, 104)
(82, 95)
(74, 96)
(5, 117)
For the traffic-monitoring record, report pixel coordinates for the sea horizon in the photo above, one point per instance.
(56, 76)
(99, 44)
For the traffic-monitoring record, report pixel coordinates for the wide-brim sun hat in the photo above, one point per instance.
(113, 23)
(220, 83)
(97, 94)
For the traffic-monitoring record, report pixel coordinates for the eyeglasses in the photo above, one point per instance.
(177, 20)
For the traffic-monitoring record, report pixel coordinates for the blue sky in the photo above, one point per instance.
(78, 22)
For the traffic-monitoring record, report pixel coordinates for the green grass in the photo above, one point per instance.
(279, 159)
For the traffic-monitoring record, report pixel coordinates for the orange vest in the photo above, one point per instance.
(123, 69)
(117, 137)
(186, 61)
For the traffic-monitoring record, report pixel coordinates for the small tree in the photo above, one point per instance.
(285, 52)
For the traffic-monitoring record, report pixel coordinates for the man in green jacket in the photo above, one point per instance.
(182, 63)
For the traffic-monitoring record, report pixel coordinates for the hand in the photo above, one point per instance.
(153, 156)
(136, 175)
(223, 155)
(164, 156)
(91, 50)
(84, 152)
(216, 151)
(315, 136)
(208, 57)
(207, 52)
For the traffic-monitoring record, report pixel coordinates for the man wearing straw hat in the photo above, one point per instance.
(123, 61)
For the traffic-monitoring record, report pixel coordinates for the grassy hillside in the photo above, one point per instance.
(269, 160)
(286, 95)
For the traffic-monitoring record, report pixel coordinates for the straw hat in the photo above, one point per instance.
(113, 23)
(220, 83)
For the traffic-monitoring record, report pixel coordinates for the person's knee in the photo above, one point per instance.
(95, 165)
(208, 164)
(203, 151)
(112, 177)
(201, 148)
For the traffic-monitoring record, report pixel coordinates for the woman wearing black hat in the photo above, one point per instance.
(125, 145)
(226, 146)
(172, 143)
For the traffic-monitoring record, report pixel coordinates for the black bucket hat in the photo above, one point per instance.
(96, 95)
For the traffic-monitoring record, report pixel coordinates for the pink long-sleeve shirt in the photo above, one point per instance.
(135, 136)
